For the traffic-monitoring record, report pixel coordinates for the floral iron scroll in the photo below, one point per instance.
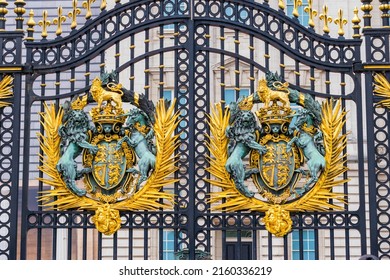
(126, 157)
(295, 157)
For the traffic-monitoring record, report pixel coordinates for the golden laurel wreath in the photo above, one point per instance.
(277, 216)
(107, 218)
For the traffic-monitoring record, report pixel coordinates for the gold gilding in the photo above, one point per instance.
(340, 21)
(59, 20)
(326, 19)
(281, 5)
(297, 4)
(6, 90)
(73, 14)
(44, 23)
(277, 221)
(106, 219)
(382, 89)
(87, 5)
(311, 12)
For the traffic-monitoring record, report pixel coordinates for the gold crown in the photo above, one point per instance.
(107, 114)
(275, 114)
(79, 103)
(246, 103)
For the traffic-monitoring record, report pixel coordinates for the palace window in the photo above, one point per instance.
(231, 95)
(308, 242)
(168, 245)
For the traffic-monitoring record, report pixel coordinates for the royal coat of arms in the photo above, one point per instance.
(118, 160)
(290, 148)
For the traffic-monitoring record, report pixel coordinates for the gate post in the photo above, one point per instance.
(377, 117)
(10, 65)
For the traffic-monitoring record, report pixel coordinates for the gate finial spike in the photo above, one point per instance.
(30, 24)
(366, 8)
(44, 23)
(340, 21)
(282, 6)
(311, 12)
(19, 11)
(87, 6)
(59, 20)
(297, 4)
(356, 26)
(3, 12)
(385, 7)
(327, 19)
(73, 14)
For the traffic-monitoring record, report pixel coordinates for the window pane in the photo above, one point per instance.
(230, 95)
(308, 239)
(168, 245)
(167, 95)
(244, 92)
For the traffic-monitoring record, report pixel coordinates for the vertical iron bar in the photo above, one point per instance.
(191, 210)
(270, 253)
(115, 246)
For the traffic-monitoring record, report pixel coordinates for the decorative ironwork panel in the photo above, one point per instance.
(377, 97)
(198, 53)
(10, 107)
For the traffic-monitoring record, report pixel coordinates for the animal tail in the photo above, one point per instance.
(115, 87)
(281, 86)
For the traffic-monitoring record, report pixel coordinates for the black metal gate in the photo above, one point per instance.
(199, 52)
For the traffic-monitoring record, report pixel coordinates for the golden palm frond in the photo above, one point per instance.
(382, 89)
(6, 90)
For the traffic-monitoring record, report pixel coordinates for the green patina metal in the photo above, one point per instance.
(279, 146)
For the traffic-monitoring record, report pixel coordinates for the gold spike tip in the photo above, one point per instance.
(103, 5)
(356, 20)
(297, 4)
(326, 19)
(311, 12)
(340, 21)
(281, 5)
(31, 22)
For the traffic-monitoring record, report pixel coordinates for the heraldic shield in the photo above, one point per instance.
(109, 165)
(295, 154)
(126, 156)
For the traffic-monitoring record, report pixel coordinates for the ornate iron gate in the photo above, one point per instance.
(201, 52)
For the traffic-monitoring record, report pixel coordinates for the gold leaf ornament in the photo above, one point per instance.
(382, 89)
(6, 90)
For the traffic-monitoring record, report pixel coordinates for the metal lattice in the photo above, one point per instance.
(199, 51)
